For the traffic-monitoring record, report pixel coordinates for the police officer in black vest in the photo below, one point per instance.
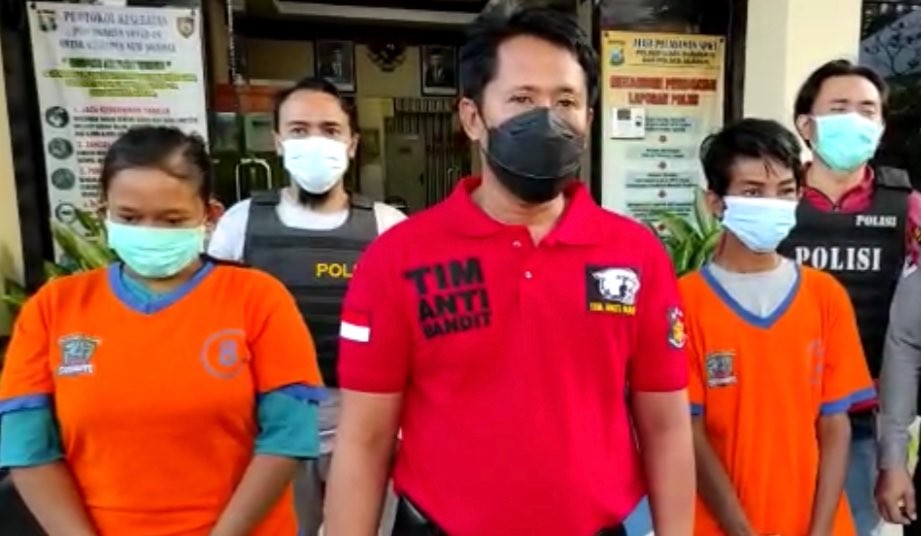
(853, 222)
(309, 236)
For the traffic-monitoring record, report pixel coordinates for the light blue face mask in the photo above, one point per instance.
(154, 252)
(761, 223)
(844, 142)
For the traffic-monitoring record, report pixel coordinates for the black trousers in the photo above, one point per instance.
(15, 518)
(410, 521)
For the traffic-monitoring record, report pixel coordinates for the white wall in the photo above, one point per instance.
(788, 39)
(11, 262)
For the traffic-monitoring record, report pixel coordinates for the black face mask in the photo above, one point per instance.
(534, 154)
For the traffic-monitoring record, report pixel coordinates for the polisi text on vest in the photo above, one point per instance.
(841, 258)
(334, 270)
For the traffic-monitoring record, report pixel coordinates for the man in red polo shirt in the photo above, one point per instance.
(526, 342)
(859, 223)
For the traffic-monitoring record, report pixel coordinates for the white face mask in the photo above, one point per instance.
(316, 163)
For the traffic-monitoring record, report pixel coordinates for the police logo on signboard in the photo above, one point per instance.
(617, 55)
(720, 369)
(185, 26)
(47, 19)
(611, 289)
(76, 353)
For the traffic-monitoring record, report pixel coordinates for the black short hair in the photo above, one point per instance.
(496, 25)
(314, 83)
(805, 98)
(748, 138)
(155, 147)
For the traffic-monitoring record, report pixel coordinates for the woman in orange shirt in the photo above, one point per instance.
(167, 394)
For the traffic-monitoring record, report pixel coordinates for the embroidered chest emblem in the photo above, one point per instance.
(76, 355)
(721, 369)
(612, 290)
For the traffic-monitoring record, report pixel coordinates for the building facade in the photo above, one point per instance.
(771, 49)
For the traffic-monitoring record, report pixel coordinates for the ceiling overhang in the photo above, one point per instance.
(444, 13)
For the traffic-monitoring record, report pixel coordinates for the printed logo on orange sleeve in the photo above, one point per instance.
(677, 336)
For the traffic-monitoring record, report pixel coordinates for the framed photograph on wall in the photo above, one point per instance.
(335, 61)
(438, 70)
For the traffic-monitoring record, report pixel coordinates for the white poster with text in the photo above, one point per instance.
(102, 70)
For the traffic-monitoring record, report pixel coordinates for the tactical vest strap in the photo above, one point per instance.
(266, 197)
(893, 178)
(361, 202)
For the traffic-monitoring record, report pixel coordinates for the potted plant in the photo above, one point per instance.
(82, 251)
(690, 242)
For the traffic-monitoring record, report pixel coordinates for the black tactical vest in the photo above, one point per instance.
(315, 265)
(864, 251)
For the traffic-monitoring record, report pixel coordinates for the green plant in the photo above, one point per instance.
(82, 250)
(690, 241)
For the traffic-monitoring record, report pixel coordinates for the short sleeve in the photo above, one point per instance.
(387, 217)
(29, 437)
(913, 229)
(26, 381)
(376, 335)
(846, 379)
(659, 362)
(227, 239)
(287, 425)
(282, 349)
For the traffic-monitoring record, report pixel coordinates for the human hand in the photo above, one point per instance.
(895, 496)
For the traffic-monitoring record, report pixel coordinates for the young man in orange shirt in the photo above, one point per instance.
(775, 356)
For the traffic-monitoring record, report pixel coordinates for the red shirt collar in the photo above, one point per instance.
(577, 225)
(855, 198)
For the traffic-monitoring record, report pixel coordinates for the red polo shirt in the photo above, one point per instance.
(513, 360)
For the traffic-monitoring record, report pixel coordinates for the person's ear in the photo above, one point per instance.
(715, 204)
(278, 142)
(591, 117)
(353, 145)
(102, 210)
(805, 126)
(214, 211)
(470, 119)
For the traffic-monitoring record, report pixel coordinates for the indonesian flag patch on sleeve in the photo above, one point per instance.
(355, 326)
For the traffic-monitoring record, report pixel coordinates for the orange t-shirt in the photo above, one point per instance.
(157, 409)
(761, 384)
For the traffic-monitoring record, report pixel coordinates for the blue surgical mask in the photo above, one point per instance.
(844, 142)
(315, 163)
(761, 223)
(155, 252)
